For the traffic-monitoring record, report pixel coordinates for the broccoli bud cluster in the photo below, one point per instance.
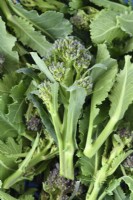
(128, 163)
(68, 60)
(34, 124)
(57, 70)
(45, 92)
(59, 187)
(70, 51)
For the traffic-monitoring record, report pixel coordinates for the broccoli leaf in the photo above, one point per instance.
(27, 197)
(7, 128)
(19, 173)
(5, 196)
(41, 65)
(119, 194)
(7, 82)
(129, 181)
(10, 147)
(101, 89)
(18, 107)
(51, 23)
(12, 105)
(7, 166)
(121, 95)
(27, 34)
(111, 5)
(7, 42)
(113, 184)
(75, 4)
(104, 27)
(125, 20)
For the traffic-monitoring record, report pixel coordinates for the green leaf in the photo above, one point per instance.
(7, 42)
(129, 181)
(7, 128)
(5, 196)
(44, 116)
(100, 93)
(102, 53)
(111, 5)
(86, 165)
(12, 105)
(102, 59)
(131, 196)
(10, 147)
(75, 4)
(117, 161)
(29, 72)
(27, 34)
(7, 82)
(125, 20)
(7, 166)
(119, 194)
(20, 172)
(27, 197)
(104, 27)
(51, 23)
(41, 65)
(128, 46)
(83, 127)
(74, 111)
(113, 184)
(18, 107)
(121, 95)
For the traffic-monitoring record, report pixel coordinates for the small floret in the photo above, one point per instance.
(45, 93)
(59, 187)
(34, 124)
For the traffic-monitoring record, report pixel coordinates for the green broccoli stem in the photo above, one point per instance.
(5, 10)
(43, 155)
(66, 162)
(91, 149)
(19, 173)
(99, 180)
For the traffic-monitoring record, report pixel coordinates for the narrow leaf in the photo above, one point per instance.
(121, 95)
(41, 65)
(7, 42)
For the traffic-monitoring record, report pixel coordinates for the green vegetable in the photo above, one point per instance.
(120, 97)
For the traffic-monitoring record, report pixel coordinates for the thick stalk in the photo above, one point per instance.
(66, 163)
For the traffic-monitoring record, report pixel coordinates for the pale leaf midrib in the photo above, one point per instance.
(121, 97)
(105, 32)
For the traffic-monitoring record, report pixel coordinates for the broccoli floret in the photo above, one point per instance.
(68, 60)
(60, 188)
(71, 51)
(128, 163)
(45, 93)
(81, 20)
(34, 124)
